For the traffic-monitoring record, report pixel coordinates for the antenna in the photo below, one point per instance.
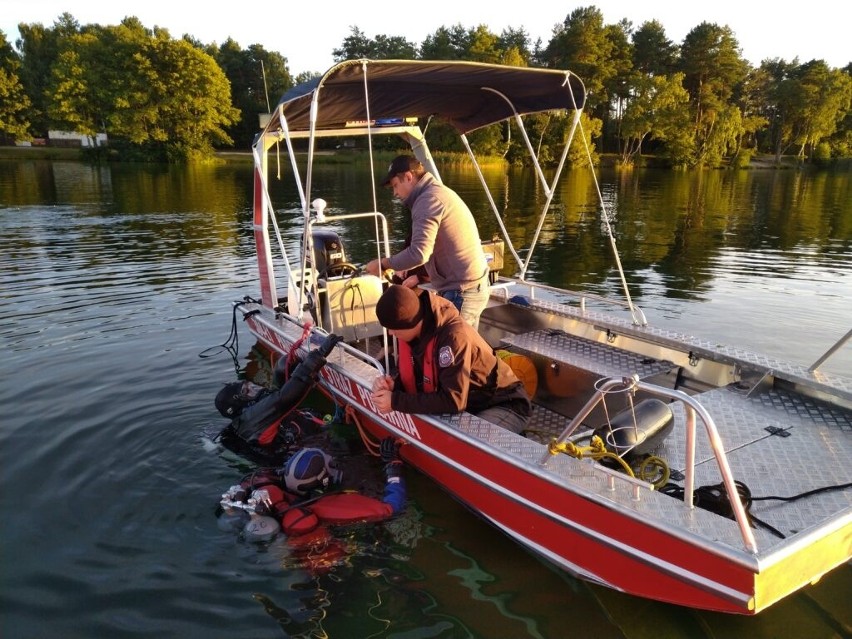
(265, 88)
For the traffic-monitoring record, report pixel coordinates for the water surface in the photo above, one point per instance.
(116, 278)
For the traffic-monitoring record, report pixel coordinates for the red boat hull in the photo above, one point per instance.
(557, 523)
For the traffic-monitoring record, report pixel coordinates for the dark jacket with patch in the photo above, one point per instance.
(470, 376)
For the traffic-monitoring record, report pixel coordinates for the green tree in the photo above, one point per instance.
(751, 98)
(39, 48)
(99, 82)
(357, 45)
(581, 43)
(74, 106)
(305, 76)
(513, 57)
(484, 46)
(713, 69)
(826, 95)
(653, 52)
(480, 45)
(769, 82)
(515, 47)
(548, 133)
(194, 99)
(143, 87)
(657, 110)
(840, 141)
(582, 151)
(258, 78)
(598, 53)
(618, 87)
(447, 43)
(806, 104)
(14, 102)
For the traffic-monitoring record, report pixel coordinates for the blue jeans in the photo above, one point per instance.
(470, 302)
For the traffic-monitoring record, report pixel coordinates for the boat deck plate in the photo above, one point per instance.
(600, 359)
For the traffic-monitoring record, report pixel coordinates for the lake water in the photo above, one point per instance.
(118, 283)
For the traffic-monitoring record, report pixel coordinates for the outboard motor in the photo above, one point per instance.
(339, 297)
(638, 430)
(328, 253)
(327, 260)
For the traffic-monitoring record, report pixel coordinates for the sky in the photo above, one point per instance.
(764, 30)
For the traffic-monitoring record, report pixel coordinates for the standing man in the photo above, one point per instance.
(445, 366)
(444, 239)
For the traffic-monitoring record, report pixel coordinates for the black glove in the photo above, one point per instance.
(389, 450)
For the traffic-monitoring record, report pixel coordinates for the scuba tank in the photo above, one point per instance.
(233, 517)
(254, 507)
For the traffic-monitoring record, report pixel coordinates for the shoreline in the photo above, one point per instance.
(757, 162)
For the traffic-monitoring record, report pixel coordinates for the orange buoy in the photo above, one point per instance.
(523, 368)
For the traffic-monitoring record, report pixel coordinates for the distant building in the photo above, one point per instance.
(72, 139)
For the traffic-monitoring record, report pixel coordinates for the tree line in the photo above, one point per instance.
(693, 103)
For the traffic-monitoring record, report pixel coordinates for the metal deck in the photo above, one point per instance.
(836, 384)
(777, 443)
(602, 360)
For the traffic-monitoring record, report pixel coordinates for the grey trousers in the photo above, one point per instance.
(505, 417)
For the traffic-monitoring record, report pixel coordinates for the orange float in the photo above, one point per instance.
(523, 368)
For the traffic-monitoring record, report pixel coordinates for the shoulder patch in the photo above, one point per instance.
(445, 356)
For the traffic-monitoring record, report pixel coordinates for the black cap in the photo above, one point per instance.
(401, 164)
(399, 308)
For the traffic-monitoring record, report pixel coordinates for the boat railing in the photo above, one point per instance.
(322, 334)
(364, 357)
(381, 240)
(831, 351)
(505, 284)
(692, 409)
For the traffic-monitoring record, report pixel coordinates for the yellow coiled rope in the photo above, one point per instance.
(652, 469)
(595, 450)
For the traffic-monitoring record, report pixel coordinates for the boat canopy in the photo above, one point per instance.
(468, 95)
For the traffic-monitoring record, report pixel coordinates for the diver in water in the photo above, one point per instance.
(303, 495)
(267, 425)
(306, 495)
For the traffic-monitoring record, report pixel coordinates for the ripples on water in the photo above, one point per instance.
(102, 326)
(109, 475)
(110, 480)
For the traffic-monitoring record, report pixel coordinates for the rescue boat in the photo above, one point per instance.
(651, 462)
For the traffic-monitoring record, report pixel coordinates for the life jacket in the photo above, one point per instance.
(406, 368)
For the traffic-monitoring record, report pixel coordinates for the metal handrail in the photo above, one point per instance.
(351, 350)
(581, 297)
(693, 408)
(831, 351)
(381, 243)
